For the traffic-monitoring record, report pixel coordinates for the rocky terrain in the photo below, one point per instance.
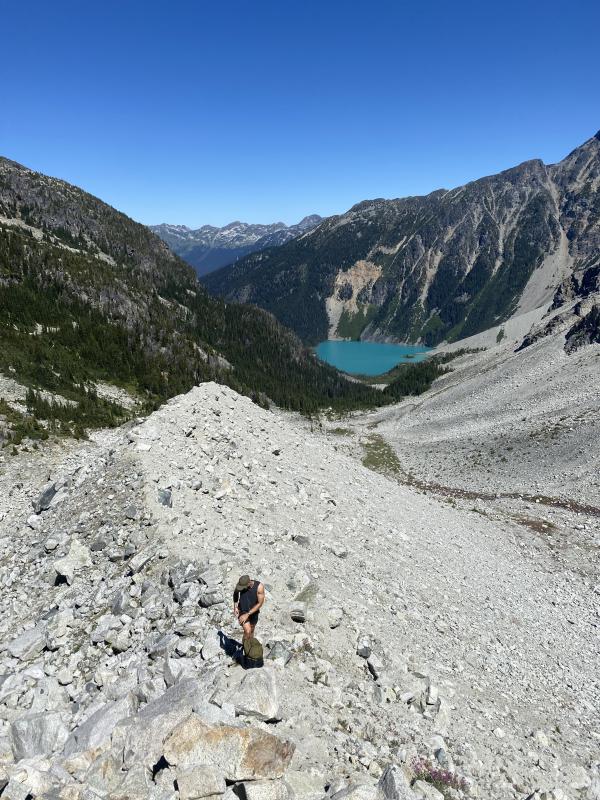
(208, 248)
(415, 647)
(441, 267)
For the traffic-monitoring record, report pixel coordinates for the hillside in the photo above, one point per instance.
(440, 267)
(208, 248)
(89, 297)
(412, 637)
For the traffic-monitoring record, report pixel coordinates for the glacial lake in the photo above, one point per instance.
(368, 358)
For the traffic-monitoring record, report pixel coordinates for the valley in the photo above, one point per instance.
(296, 505)
(428, 538)
(434, 606)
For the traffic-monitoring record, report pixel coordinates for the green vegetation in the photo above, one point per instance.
(72, 417)
(500, 335)
(350, 326)
(380, 457)
(414, 379)
(18, 426)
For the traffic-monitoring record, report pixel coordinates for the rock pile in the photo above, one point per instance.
(390, 670)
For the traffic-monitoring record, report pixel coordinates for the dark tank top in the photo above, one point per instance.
(249, 598)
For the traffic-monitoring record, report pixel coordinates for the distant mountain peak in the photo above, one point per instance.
(208, 248)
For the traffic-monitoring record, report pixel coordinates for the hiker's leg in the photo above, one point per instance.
(248, 629)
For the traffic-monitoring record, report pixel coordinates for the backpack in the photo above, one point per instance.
(253, 653)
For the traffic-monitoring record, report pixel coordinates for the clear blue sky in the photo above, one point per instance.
(205, 112)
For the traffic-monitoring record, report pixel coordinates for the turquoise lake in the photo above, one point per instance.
(369, 358)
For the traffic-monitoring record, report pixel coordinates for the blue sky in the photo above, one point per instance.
(205, 112)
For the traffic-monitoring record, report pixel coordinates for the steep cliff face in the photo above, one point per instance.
(443, 266)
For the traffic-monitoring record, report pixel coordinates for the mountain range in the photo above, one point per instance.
(436, 268)
(209, 248)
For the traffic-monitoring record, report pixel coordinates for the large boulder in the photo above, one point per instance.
(257, 695)
(238, 753)
(38, 734)
(140, 738)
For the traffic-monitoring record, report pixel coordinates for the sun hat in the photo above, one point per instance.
(243, 583)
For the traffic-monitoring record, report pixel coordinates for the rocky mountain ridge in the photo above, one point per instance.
(441, 267)
(208, 248)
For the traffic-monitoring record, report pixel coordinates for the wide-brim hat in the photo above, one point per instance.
(243, 583)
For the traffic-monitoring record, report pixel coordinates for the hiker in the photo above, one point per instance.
(248, 599)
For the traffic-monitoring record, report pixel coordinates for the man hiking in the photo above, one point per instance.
(248, 599)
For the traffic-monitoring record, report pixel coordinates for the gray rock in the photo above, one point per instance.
(375, 665)
(140, 738)
(38, 734)
(165, 498)
(29, 644)
(240, 754)
(425, 791)
(257, 695)
(34, 521)
(298, 611)
(335, 617)
(136, 784)
(139, 561)
(97, 729)
(123, 604)
(162, 646)
(212, 645)
(197, 782)
(363, 646)
(106, 625)
(42, 503)
(393, 785)
(279, 651)
(76, 559)
(98, 544)
(210, 598)
(183, 572)
(305, 786)
(357, 791)
(268, 790)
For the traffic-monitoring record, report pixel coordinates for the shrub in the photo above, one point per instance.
(440, 778)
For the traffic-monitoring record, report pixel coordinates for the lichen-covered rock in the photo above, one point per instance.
(239, 753)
